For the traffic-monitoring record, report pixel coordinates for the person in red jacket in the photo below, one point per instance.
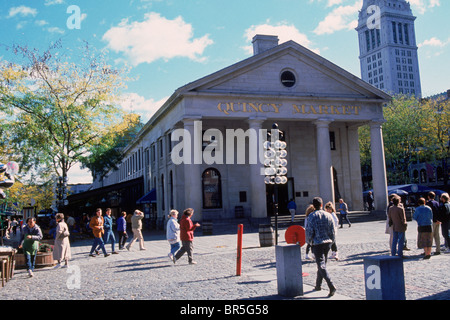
(187, 228)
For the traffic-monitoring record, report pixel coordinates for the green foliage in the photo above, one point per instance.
(56, 111)
(415, 131)
(107, 154)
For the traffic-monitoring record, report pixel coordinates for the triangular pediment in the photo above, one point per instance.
(261, 75)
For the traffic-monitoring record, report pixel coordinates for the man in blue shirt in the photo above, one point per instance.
(292, 207)
(343, 210)
(320, 234)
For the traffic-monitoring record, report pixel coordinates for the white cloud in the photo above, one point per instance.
(55, 30)
(23, 11)
(334, 2)
(156, 38)
(146, 108)
(330, 3)
(341, 18)
(434, 42)
(421, 6)
(78, 175)
(283, 31)
(52, 2)
(41, 23)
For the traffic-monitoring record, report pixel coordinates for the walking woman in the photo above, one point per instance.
(329, 207)
(424, 217)
(173, 234)
(61, 249)
(308, 246)
(187, 228)
(31, 234)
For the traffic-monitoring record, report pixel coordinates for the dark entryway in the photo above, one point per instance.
(285, 193)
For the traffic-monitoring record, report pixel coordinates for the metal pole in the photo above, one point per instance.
(239, 250)
(276, 214)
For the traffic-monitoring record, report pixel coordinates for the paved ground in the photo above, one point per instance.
(150, 275)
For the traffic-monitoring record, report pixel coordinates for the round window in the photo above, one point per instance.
(288, 79)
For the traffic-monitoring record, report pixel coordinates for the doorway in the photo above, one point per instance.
(286, 192)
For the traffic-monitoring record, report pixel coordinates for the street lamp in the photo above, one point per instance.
(275, 166)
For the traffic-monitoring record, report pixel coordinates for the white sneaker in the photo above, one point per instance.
(30, 273)
(170, 255)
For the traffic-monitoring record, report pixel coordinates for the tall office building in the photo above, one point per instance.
(387, 45)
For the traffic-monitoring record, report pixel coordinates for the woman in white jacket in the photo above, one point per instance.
(329, 207)
(173, 234)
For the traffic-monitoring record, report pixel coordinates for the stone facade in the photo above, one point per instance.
(317, 105)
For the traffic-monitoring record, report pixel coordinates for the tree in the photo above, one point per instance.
(436, 132)
(403, 136)
(107, 154)
(415, 131)
(56, 110)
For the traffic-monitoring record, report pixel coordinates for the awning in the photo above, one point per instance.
(148, 198)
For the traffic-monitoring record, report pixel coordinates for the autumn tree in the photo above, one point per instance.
(436, 133)
(56, 110)
(415, 131)
(107, 154)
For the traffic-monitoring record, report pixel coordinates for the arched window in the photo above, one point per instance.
(212, 189)
(440, 174)
(163, 206)
(423, 176)
(415, 176)
(171, 189)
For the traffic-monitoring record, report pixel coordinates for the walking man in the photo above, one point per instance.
(397, 219)
(122, 230)
(320, 234)
(292, 207)
(136, 226)
(343, 210)
(96, 224)
(109, 233)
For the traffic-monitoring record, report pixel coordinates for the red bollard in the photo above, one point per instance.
(239, 250)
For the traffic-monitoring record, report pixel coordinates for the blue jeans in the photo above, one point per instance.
(321, 253)
(109, 235)
(98, 242)
(30, 260)
(398, 239)
(174, 247)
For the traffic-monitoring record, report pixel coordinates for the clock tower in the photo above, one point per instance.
(387, 45)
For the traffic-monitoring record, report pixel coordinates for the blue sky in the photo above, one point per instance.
(168, 44)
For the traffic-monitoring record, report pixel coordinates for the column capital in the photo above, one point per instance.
(323, 122)
(190, 119)
(375, 123)
(256, 121)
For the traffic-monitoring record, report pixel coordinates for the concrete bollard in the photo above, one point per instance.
(289, 270)
(384, 278)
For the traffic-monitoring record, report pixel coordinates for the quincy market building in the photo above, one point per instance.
(316, 104)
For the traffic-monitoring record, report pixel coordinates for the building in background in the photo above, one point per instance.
(318, 106)
(387, 45)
